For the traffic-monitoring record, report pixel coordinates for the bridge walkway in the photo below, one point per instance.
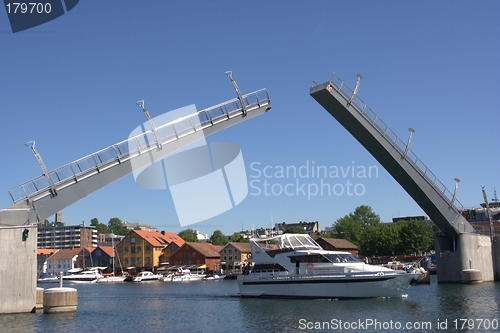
(395, 155)
(76, 180)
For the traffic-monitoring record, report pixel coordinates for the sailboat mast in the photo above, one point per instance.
(84, 235)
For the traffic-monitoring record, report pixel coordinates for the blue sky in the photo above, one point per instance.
(72, 83)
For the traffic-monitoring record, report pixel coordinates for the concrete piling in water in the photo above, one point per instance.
(472, 276)
(60, 300)
(39, 298)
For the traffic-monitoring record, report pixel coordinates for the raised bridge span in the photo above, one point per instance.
(43, 196)
(393, 154)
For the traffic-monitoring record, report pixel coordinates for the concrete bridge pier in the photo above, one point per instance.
(18, 268)
(466, 252)
(496, 257)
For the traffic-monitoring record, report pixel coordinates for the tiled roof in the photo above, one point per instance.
(159, 239)
(340, 243)
(241, 246)
(206, 249)
(106, 249)
(45, 251)
(66, 254)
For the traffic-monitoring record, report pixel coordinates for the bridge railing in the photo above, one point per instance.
(127, 149)
(395, 141)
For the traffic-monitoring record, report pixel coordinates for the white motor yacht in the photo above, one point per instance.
(90, 276)
(294, 265)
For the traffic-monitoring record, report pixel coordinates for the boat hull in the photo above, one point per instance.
(112, 279)
(85, 277)
(326, 287)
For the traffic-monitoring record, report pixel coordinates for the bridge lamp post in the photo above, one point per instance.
(238, 92)
(151, 124)
(31, 145)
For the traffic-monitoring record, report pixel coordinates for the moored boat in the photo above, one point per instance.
(185, 275)
(89, 276)
(294, 265)
(110, 278)
(147, 276)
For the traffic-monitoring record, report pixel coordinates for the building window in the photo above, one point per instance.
(132, 240)
(148, 248)
(148, 260)
(139, 260)
(126, 261)
(132, 249)
(126, 249)
(230, 251)
(186, 257)
(138, 249)
(132, 261)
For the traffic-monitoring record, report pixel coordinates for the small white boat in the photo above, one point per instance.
(90, 276)
(214, 277)
(112, 278)
(295, 266)
(186, 275)
(48, 280)
(147, 276)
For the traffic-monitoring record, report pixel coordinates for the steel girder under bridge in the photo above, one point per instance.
(393, 154)
(39, 198)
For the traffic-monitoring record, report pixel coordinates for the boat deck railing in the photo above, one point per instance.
(133, 146)
(394, 140)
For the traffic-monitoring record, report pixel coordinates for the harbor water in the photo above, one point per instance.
(210, 306)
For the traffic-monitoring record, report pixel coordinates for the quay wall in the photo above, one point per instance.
(18, 269)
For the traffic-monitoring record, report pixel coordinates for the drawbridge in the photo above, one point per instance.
(43, 196)
(394, 154)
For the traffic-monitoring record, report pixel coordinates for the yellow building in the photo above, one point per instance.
(233, 256)
(141, 249)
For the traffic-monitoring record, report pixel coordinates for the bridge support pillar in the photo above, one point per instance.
(465, 252)
(496, 257)
(18, 273)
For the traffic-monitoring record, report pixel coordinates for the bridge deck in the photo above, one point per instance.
(82, 177)
(393, 154)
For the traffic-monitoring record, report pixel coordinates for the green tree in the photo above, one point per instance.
(116, 226)
(295, 230)
(100, 227)
(379, 240)
(351, 226)
(415, 236)
(237, 237)
(403, 237)
(218, 238)
(188, 235)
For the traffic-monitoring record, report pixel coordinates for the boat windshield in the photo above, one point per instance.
(341, 257)
(298, 241)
